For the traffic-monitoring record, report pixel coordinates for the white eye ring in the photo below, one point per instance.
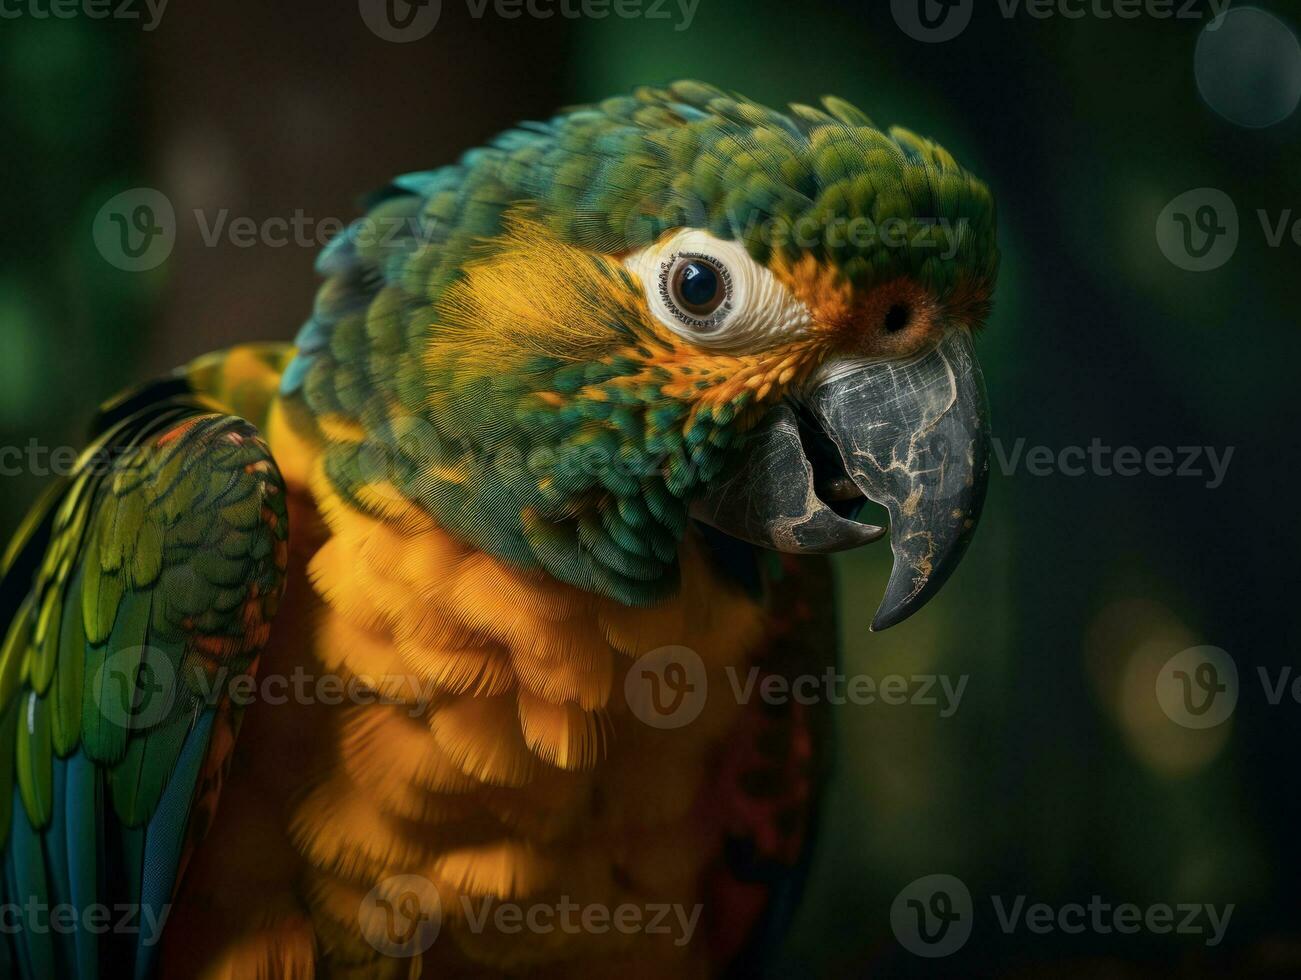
(720, 305)
(755, 312)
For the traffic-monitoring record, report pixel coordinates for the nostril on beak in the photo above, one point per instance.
(898, 317)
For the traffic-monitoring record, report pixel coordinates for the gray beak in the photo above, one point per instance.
(912, 435)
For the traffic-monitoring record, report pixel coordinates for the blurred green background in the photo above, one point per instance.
(1059, 777)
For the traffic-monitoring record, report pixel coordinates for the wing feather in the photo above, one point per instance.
(152, 571)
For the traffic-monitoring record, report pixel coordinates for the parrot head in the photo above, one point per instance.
(677, 305)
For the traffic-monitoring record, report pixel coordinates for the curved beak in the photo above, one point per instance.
(914, 437)
(911, 435)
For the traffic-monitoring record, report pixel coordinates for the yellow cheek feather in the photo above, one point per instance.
(521, 302)
(511, 725)
(534, 296)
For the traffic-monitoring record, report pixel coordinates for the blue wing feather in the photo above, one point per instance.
(164, 838)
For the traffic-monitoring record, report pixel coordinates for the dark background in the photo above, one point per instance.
(1059, 777)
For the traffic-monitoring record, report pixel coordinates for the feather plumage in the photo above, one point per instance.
(128, 590)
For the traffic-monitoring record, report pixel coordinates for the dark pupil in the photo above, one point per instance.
(698, 288)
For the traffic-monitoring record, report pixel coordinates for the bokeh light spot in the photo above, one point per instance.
(1126, 647)
(1248, 65)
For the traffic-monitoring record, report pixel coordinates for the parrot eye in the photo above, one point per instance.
(712, 293)
(697, 288)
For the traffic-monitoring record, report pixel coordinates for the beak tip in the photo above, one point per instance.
(893, 616)
(871, 533)
(909, 589)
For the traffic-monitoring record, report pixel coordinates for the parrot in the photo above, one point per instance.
(370, 653)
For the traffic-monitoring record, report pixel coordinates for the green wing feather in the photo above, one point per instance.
(150, 574)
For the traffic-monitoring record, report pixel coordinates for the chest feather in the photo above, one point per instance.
(492, 750)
